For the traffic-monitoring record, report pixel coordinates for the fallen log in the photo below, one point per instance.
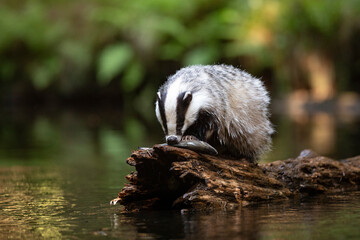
(168, 177)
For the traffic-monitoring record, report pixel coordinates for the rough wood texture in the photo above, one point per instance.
(173, 178)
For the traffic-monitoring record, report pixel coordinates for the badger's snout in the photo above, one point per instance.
(173, 139)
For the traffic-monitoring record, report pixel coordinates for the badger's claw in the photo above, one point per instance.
(189, 138)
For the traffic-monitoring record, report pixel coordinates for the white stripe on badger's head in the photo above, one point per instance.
(170, 111)
(170, 106)
(157, 110)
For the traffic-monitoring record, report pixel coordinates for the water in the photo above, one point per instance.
(58, 172)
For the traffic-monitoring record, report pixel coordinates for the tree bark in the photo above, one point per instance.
(174, 178)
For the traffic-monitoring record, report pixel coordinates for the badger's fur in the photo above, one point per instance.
(218, 104)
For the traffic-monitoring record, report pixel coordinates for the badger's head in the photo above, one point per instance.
(177, 110)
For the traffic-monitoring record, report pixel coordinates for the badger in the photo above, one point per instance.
(218, 104)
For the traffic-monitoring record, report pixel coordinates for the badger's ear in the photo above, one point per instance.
(158, 96)
(187, 97)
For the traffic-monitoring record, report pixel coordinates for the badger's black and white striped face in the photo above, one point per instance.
(172, 113)
(177, 109)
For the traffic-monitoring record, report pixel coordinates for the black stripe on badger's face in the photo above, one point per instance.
(183, 102)
(161, 103)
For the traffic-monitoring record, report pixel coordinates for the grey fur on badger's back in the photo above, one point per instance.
(218, 104)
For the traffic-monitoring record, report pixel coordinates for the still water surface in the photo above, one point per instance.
(58, 173)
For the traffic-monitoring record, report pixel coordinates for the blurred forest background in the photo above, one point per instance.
(78, 81)
(114, 54)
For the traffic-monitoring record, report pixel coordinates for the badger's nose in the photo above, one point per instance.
(172, 140)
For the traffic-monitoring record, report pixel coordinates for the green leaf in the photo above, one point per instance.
(202, 55)
(113, 61)
(43, 74)
(133, 77)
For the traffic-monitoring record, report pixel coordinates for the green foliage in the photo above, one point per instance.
(132, 77)
(65, 45)
(44, 73)
(202, 55)
(113, 61)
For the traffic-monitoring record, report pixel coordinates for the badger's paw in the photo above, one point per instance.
(192, 143)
